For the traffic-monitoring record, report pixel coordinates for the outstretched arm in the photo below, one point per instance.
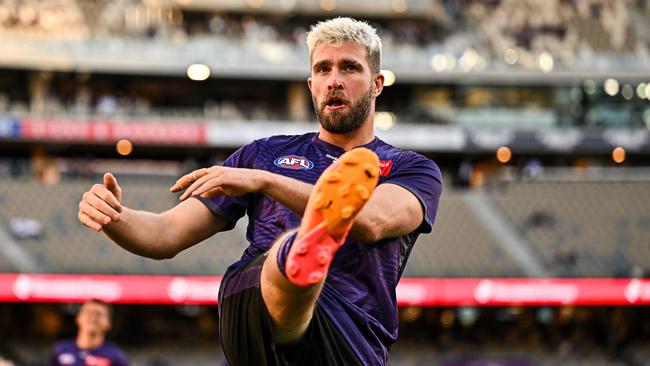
(163, 235)
(144, 233)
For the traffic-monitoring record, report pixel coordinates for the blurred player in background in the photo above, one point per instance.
(289, 300)
(90, 347)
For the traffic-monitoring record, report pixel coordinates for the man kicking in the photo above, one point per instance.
(333, 217)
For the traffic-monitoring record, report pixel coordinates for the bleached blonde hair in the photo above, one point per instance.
(338, 30)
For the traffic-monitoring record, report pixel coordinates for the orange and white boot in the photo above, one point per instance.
(338, 196)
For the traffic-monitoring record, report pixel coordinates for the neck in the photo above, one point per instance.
(347, 141)
(87, 340)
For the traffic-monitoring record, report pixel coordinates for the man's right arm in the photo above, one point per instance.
(162, 236)
(148, 234)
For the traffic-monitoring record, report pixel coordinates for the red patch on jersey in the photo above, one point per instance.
(97, 361)
(384, 167)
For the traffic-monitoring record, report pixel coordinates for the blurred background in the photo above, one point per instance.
(537, 112)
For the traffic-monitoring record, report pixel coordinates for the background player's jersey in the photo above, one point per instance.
(66, 353)
(359, 293)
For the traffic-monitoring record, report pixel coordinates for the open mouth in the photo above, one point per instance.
(335, 102)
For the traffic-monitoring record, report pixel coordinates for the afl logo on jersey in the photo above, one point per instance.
(293, 162)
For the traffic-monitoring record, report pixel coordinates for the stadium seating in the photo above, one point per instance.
(582, 228)
(5, 265)
(577, 229)
(459, 246)
(67, 247)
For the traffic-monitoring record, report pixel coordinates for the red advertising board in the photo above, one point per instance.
(410, 291)
(146, 132)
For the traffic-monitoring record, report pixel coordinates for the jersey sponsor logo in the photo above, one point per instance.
(384, 167)
(293, 162)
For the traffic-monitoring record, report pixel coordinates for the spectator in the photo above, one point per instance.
(90, 346)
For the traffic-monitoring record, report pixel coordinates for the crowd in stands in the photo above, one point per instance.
(497, 31)
(563, 28)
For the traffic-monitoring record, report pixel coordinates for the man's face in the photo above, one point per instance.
(343, 87)
(93, 318)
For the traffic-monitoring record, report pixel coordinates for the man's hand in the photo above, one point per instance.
(100, 206)
(220, 180)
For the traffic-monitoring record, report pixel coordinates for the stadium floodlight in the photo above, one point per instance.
(389, 77)
(546, 62)
(640, 91)
(504, 154)
(198, 72)
(443, 62)
(450, 61)
(439, 63)
(328, 5)
(469, 59)
(611, 87)
(627, 92)
(385, 120)
(124, 147)
(647, 91)
(618, 155)
(399, 6)
(511, 56)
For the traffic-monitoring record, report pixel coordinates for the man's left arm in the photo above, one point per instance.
(397, 207)
(392, 211)
(405, 201)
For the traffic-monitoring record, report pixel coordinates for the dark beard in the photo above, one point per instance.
(340, 122)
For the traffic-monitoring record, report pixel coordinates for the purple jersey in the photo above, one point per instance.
(359, 292)
(66, 353)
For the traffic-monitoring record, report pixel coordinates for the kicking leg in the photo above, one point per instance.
(297, 264)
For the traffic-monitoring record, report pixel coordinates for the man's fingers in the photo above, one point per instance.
(94, 214)
(200, 181)
(88, 222)
(186, 180)
(208, 185)
(182, 183)
(111, 184)
(107, 196)
(102, 207)
(213, 193)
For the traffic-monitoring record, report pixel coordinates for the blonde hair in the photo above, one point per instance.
(338, 30)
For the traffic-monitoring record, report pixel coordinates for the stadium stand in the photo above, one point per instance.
(582, 229)
(65, 246)
(579, 229)
(459, 246)
(5, 265)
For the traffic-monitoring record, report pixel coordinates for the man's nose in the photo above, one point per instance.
(334, 83)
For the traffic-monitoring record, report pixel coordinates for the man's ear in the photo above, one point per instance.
(378, 80)
(309, 83)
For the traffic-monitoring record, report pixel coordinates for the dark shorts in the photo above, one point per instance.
(246, 329)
